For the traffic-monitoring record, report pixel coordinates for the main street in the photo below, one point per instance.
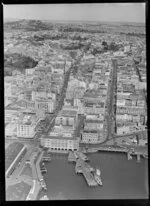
(63, 90)
(109, 117)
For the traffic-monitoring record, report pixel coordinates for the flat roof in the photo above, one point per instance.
(93, 121)
(67, 113)
(90, 131)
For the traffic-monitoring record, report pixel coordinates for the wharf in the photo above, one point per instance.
(43, 169)
(83, 164)
(89, 177)
(113, 149)
(46, 159)
(57, 151)
(39, 174)
(71, 157)
(81, 156)
(85, 169)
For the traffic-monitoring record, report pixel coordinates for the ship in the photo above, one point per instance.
(97, 176)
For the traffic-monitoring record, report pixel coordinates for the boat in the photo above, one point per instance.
(97, 176)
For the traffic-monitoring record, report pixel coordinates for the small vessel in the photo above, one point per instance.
(98, 177)
(44, 198)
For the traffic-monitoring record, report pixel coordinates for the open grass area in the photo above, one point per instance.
(18, 191)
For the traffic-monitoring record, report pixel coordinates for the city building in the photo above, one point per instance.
(26, 125)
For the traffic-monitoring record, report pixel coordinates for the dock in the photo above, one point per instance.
(39, 174)
(81, 156)
(85, 169)
(46, 159)
(57, 151)
(43, 169)
(71, 157)
(89, 177)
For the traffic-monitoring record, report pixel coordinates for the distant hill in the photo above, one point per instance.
(27, 25)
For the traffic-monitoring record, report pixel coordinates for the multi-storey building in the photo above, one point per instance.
(26, 125)
(89, 136)
(60, 143)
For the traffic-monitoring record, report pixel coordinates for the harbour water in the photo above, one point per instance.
(122, 179)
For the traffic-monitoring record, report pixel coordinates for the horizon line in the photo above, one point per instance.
(5, 18)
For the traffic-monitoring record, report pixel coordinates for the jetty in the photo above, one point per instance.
(85, 169)
(89, 177)
(81, 155)
(71, 157)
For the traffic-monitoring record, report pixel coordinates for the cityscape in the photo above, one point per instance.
(75, 98)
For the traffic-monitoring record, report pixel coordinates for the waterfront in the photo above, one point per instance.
(122, 179)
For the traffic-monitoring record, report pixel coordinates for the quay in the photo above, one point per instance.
(39, 174)
(38, 181)
(57, 151)
(46, 159)
(89, 177)
(36, 188)
(43, 169)
(113, 149)
(81, 155)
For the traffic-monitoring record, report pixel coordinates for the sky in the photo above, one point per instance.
(123, 12)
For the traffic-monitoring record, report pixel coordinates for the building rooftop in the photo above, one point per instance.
(27, 119)
(67, 113)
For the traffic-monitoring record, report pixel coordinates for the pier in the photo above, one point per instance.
(89, 177)
(85, 169)
(81, 156)
(71, 157)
